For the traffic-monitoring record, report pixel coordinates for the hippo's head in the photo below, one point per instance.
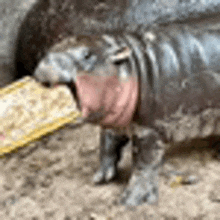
(100, 73)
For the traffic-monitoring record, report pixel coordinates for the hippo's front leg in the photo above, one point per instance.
(110, 154)
(147, 158)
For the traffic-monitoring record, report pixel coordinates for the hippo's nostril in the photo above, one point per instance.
(46, 84)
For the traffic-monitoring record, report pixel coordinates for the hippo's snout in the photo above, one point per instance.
(56, 68)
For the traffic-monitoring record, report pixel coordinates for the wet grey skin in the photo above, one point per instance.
(178, 67)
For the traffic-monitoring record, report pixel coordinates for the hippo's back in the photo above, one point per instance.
(50, 21)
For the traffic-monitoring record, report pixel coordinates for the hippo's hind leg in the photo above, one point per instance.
(148, 151)
(110, 154)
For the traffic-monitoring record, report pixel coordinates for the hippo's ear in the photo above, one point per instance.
(121, 55)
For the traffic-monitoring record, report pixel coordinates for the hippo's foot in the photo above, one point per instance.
(105, 174)
(142, 188)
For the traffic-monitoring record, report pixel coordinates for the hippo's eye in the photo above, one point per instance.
(87, 54)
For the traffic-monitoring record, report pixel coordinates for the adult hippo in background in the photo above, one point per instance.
(158, 87)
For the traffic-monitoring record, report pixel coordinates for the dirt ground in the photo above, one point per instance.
(52, 179)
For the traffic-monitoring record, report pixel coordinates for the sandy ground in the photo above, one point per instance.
(52, 179)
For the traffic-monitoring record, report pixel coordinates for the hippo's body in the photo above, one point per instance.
(162, 84)
(183, 66)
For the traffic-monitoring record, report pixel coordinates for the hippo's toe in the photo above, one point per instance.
(104, 175)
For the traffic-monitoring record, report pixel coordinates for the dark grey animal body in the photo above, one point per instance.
(178, 58)
(179, 74)
(51, 21)
(177, 67)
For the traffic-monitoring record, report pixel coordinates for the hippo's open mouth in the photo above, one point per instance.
(107, 99)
